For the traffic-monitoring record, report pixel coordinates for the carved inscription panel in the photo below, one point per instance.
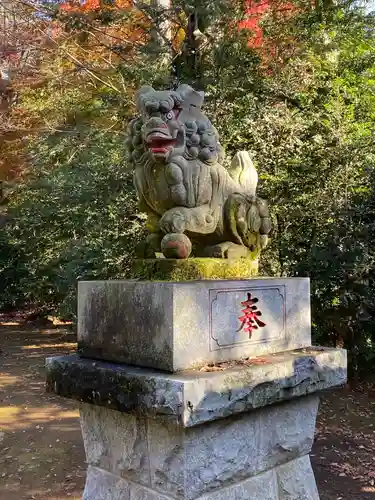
(246, 316)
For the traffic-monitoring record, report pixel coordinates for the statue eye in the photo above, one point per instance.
(170, 115)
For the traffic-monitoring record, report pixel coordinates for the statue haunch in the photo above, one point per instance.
(193, 203)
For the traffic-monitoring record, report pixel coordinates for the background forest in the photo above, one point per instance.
(291, 82)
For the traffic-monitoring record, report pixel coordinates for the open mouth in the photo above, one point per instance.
(160, 143)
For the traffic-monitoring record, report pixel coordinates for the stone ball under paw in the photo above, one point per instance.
(176, 246)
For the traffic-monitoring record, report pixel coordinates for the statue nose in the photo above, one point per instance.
(156, 122)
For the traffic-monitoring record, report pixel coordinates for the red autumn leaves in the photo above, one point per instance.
(256, 10)
(90, 5)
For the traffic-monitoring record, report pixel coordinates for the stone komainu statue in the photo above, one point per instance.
(192, 201)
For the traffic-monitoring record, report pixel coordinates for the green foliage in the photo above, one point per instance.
(12, 271)
(73, 218)
(310, 126)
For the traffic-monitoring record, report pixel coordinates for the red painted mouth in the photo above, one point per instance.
(160, 143)
(162, 146)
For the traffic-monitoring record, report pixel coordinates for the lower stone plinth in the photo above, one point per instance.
(291, 481)
(241, 433)
(225, 459)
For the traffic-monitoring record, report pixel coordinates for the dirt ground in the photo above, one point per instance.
(41, 451)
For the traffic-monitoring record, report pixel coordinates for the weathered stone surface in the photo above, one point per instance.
(296, 480)
(280, 377)
(229, 450)
(192, 398)
(182, 325)
(291, 481)
(287, 430)
(119, 387)
(126, 321)
(166, 444)
(102, 485)
(141, 493)
(188, 463)
(261, 487)
(115, 442)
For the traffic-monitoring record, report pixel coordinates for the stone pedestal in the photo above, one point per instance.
(181, 325)
(186, 422)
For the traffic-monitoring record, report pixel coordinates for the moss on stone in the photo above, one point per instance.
(194, 269)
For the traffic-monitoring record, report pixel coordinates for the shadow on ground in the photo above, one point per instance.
(343, 454)
(41, 450)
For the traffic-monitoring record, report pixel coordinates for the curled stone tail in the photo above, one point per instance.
(243, 172)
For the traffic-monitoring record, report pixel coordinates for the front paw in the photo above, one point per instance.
(173, 221)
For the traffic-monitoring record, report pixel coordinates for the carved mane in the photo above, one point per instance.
(201, 137)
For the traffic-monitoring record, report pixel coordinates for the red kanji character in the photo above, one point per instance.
(250, 319)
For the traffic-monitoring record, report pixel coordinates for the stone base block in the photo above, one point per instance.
(291, 481)
(184, 325)
(257, 455)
